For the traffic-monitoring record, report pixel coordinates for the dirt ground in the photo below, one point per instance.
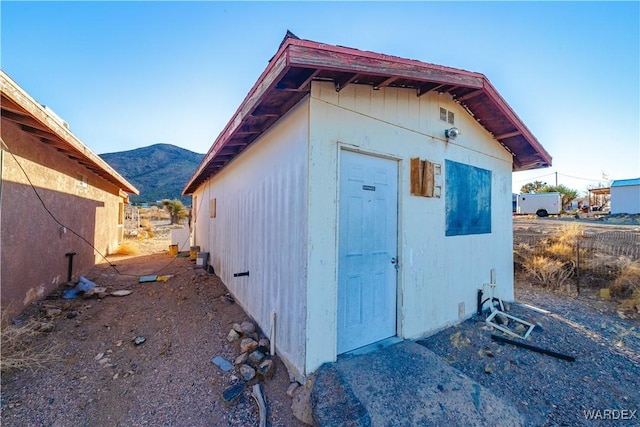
(103, 378)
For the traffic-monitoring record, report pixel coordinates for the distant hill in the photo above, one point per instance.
(159, 171)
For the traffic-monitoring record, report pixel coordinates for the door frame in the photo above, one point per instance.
(341, 146)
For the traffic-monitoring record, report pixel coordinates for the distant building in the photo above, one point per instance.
(54, 189)
(625, 196)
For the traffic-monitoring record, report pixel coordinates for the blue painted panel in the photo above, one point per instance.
(468, 199)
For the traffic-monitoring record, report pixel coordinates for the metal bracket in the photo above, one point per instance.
(506, 330)
(495, 312)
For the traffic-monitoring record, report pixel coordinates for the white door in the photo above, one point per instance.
(367, 248)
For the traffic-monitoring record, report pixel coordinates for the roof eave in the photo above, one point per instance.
(315, 57)
(34, 118)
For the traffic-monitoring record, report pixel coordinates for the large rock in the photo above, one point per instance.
(241, 359)
(248, 328)
(233, 336)
(256, 357)
(266, 369)
(247, 372)
(247, 345)
(301, 402)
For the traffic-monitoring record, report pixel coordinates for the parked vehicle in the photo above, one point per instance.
(541, 204)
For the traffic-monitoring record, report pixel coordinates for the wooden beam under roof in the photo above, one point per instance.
(23, 120)
(470, 95)
(508, 135)
(429, 88)
(39, 132)
(342, 83)
(386, 82)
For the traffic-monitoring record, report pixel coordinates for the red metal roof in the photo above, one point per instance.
(287, 79)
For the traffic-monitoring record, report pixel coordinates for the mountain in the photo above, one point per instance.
(159, 171)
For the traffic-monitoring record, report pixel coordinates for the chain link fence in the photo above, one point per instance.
(572, 257)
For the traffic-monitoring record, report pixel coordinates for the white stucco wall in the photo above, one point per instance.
(437, 273)
(261, 227)
(625, 199)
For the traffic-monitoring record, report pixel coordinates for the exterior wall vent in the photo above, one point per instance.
(447, 116)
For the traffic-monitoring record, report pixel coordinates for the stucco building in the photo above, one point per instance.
(56, 197)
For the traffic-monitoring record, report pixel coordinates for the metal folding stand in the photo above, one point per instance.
(495, 312)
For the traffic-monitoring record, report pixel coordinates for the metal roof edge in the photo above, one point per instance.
(506, 109)
(625, 182)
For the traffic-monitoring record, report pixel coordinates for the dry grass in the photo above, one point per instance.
(628, 281)
(24, 346)
(561, 251)
(568, 233)
(549, 272)
(127, 248)
(144, 234)
(551, 263)
(145, 224)
(153, 213)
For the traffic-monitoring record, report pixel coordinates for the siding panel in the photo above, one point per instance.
(261, 228)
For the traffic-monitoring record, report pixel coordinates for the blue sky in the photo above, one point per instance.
(126, 75)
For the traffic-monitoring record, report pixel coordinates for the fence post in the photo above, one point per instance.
(578, 264)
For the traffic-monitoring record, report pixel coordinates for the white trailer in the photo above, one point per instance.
(541, 204)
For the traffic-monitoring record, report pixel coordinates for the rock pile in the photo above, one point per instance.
(254, 362)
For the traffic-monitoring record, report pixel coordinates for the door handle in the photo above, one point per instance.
(394, 261)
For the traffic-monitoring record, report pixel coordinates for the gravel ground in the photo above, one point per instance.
(549, 391)
(104, 379)
(169, 379)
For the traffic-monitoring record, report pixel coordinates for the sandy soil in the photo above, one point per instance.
(103, 378)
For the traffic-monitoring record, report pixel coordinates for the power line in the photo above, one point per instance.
(533, 179)
(67, 227)
(584, 179)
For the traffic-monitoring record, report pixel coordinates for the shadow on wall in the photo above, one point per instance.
(33, 244)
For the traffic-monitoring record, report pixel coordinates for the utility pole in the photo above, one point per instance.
(556, 179)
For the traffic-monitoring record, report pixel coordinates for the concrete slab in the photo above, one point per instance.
(404, 384)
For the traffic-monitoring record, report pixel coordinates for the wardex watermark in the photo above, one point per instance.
(611, 414)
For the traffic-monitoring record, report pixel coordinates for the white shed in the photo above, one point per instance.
(340, 198)
(625, 196)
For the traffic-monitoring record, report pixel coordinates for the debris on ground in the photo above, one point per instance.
(121, 293)
(548, 390)
(234, 391)
(84, 285)
(262, 408)
(222, 363)
(533, 348)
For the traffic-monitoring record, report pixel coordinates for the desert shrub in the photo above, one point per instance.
(561, 251)
(24, 347)
(627, 282)
(549, 272)
(551, 262)
(127, 248)
(176, 209)
(145, 224)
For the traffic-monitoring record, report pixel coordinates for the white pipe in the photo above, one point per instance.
(272, 335)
